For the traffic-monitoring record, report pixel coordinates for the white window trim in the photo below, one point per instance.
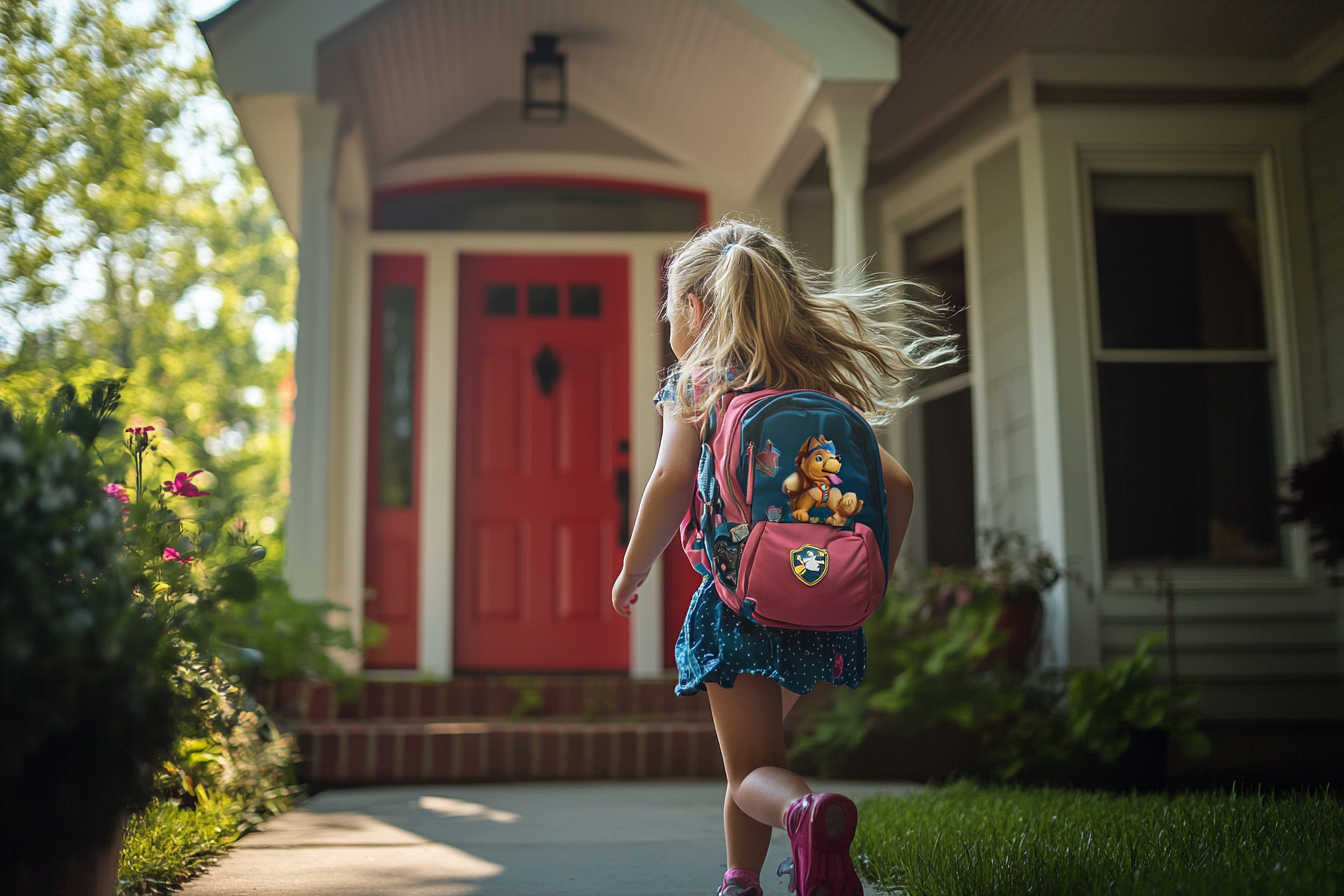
(1260, 164)
(952, 194)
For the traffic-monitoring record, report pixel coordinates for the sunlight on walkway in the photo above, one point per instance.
(656, 838)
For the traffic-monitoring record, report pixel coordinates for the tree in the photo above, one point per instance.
(121, 199)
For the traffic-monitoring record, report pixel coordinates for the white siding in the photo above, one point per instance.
(1324, 150)
(1011, 491)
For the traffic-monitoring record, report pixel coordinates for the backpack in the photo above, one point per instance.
(790, 512)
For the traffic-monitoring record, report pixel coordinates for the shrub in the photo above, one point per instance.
(86, 666)
(124, 636)
(1316, 496)
(936, 659)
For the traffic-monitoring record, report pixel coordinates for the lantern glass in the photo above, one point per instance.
(544, 80)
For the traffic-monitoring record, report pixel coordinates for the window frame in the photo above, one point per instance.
(1280, 350)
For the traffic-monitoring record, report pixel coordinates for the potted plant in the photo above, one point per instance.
(1122, 721)
(85, 665)
(1021, 573)
(950, 662)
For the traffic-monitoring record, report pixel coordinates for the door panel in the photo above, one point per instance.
(542, 441)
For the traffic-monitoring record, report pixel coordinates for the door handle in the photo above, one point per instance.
(623, 498)
(546, 366)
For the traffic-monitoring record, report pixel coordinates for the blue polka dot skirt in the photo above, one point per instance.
(718, 645)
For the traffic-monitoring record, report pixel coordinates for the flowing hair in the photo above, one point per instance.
(772, 320)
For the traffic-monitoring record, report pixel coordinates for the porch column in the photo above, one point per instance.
(306, 523)
(840, 115)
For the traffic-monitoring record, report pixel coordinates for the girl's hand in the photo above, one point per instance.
(665, 500)
(623, 593)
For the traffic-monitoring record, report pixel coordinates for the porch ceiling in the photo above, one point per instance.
(683, 78)
(953, 45)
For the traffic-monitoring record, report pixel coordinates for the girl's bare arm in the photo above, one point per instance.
(900, 502)
(666, 498)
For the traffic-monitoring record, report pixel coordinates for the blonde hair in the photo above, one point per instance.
(772, 320)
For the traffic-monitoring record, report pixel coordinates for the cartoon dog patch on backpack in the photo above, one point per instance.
(813, 484)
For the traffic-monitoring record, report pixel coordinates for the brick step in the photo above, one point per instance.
(590, 697)
(367, 752)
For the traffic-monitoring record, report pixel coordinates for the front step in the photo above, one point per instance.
(388, 752)
(497, 728)
(589, 697)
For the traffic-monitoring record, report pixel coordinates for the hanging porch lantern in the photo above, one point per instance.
(544, 81)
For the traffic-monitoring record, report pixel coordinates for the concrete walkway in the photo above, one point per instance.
(654, 838)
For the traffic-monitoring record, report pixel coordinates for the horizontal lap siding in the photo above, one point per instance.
(1011, 492)
(1255, 655)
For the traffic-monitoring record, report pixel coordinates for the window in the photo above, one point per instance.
(501, 300)
(539, 207)
(543, 299)
(1184, 373)
(936, 256)
(585, 300)
(396, 422)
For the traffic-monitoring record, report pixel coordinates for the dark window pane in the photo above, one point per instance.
(585, 301)
(396, 423)
(501, 299)
(540, 208)
(949, 480)
(1188, 464)
(543, 299)
(935, 255)
(1178, 263)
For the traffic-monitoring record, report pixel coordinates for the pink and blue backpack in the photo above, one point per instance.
(790, 513)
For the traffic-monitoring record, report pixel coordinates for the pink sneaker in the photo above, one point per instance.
(738, 882)
(820, 828)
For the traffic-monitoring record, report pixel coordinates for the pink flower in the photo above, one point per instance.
(118, 491)
(172, 555)
(139, 430)
(182, 486)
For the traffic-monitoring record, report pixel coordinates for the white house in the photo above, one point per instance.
(1140, 204)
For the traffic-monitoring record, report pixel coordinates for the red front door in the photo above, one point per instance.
(542, 458)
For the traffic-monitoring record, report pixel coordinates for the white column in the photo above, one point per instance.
(306, 524)
(840, 115)
(646, 622)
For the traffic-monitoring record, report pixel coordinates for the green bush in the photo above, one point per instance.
(129, 619)
(86, 665)
(936, 659)
(964, 841)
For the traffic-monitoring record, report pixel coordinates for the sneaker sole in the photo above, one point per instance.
(832, 821)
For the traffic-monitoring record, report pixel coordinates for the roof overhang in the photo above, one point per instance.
(719, 89)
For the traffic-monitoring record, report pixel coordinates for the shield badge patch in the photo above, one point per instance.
(809, 563)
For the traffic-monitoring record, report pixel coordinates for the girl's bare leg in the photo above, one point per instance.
(749, 720)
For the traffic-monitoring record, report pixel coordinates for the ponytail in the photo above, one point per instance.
(773, 321)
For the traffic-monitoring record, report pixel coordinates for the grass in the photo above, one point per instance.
(166, 845)
(962, 840)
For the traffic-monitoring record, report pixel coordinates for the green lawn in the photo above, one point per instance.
(962, 840)
(165, 845)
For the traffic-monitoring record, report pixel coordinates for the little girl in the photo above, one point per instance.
(744, 312)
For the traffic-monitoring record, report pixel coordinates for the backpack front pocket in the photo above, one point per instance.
(800, 575)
